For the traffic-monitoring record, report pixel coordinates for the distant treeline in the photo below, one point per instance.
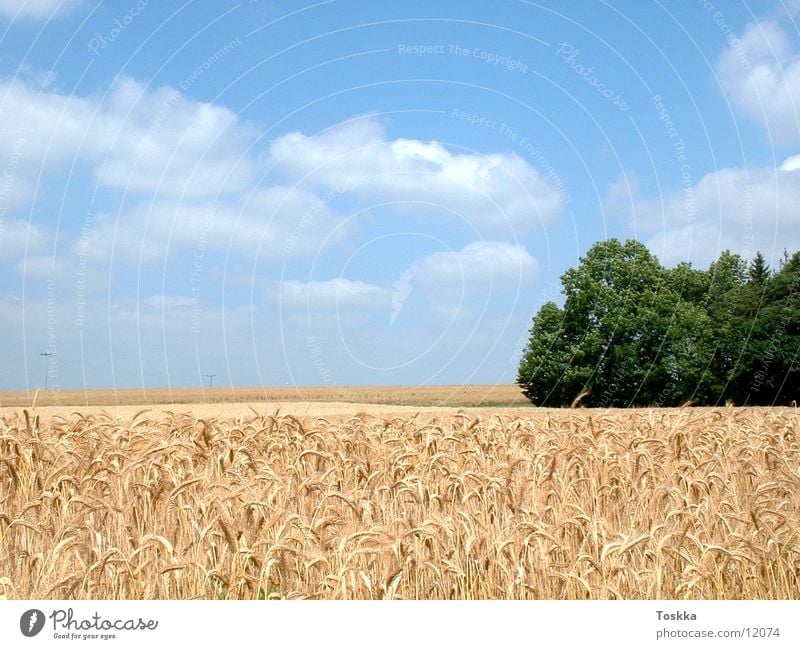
(634, 333)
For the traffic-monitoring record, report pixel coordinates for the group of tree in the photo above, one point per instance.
(633, 332)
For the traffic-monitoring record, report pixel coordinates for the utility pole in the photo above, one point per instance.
(210, 380)
(46, 363)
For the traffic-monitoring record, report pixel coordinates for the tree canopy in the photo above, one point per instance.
(632, 332)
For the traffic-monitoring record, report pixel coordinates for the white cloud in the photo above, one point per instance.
(137, 139)
(791, 164)
(503, 265)
(272, 223)
(20, 237)
(37, 9)
(159, 141)
(743, 210)
(446, 276)
(41, 267)
(761, 75)
(338, 293)
(169, 302)
(621, 192)
(494, 188)
(180, 154)
(793, 6)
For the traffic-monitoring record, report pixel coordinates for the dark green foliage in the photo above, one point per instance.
(632, 332)
(771, 365)
(758, 273)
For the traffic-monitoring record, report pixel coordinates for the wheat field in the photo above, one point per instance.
(552, 504)
(503, 395)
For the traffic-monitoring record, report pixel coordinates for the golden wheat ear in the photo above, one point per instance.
(35, 397)
(577, 400)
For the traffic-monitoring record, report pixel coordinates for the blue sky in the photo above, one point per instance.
(352, 192)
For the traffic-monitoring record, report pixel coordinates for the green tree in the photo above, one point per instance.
(727, 277)
(691, 284)
(610, 338)
(611, 321)
(634, 333)
(770, 368)
(543, 371)
(758, 273)
(749, 321)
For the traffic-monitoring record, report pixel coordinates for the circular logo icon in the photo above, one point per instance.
(31, 622)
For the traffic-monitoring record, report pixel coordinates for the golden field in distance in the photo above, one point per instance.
(356, 501)
(436, 395)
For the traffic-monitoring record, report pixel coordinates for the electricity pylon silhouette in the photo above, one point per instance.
(46, 361)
